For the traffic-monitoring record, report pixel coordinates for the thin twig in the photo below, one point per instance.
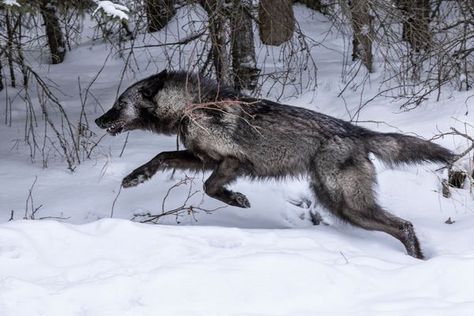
(124, 145)
(30, 198)
(113, 203)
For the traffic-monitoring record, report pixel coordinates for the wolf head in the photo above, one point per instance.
(135, 108)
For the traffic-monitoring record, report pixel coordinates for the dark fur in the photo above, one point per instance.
(233, 135)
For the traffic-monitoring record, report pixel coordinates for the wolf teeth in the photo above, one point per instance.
(114, 129)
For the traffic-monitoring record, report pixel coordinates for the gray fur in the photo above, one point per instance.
(233, 135)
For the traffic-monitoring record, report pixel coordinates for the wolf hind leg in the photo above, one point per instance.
(182, 159)
(381, 220)
(347, 192)
(226, 172)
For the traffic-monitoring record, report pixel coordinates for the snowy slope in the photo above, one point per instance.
(266, 260)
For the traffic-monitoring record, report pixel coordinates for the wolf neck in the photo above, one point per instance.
(182, 92)
(169, 108)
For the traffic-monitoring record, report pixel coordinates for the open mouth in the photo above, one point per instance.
(116, 128)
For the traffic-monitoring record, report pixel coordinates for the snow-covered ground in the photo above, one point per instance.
(116, 267)
(266, 260)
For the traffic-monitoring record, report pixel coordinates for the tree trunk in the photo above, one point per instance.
(244, 62)
(19, 48)
(362, 28)
(159, 13)
(315, 5)
(9, 48)
(276, 21)
(217, 29)
(1, 74)
(126, 28)
(56, 42)
(416, 23)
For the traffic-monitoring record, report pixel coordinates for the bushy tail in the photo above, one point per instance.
(393, 148)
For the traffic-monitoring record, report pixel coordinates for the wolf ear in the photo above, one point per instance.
(153, 84)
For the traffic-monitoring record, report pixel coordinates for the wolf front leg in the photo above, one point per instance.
(226, 172)
(182, 159)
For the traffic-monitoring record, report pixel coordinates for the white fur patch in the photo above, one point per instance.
(170, 101)
(130, 111)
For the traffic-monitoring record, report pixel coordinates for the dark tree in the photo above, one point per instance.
(159, 13)
(9, 46)
(54, 33)
(416, 23)
(244, 62)
(276, 21)
(1, 75)
(362, 28)
(315, 5)
(217, 19)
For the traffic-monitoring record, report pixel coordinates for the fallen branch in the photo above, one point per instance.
(185, 207)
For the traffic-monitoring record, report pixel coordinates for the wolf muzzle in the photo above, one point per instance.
(108, 118)
(111, 121)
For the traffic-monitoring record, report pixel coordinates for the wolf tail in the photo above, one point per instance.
(394, 148)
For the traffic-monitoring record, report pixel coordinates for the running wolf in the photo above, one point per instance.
(234, 135)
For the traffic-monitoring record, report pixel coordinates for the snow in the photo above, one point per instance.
(365, 30)
(112, 9)
(266, 260)
(115, 267)
(11, 3)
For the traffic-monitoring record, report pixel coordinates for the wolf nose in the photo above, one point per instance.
(98, 122)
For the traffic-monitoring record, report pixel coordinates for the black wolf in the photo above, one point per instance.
(234, 135)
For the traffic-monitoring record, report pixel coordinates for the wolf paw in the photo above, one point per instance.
(133, 179)
(239, 200)
(410, 241)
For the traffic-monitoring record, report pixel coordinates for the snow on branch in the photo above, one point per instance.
(111, 9)
(11, 3)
